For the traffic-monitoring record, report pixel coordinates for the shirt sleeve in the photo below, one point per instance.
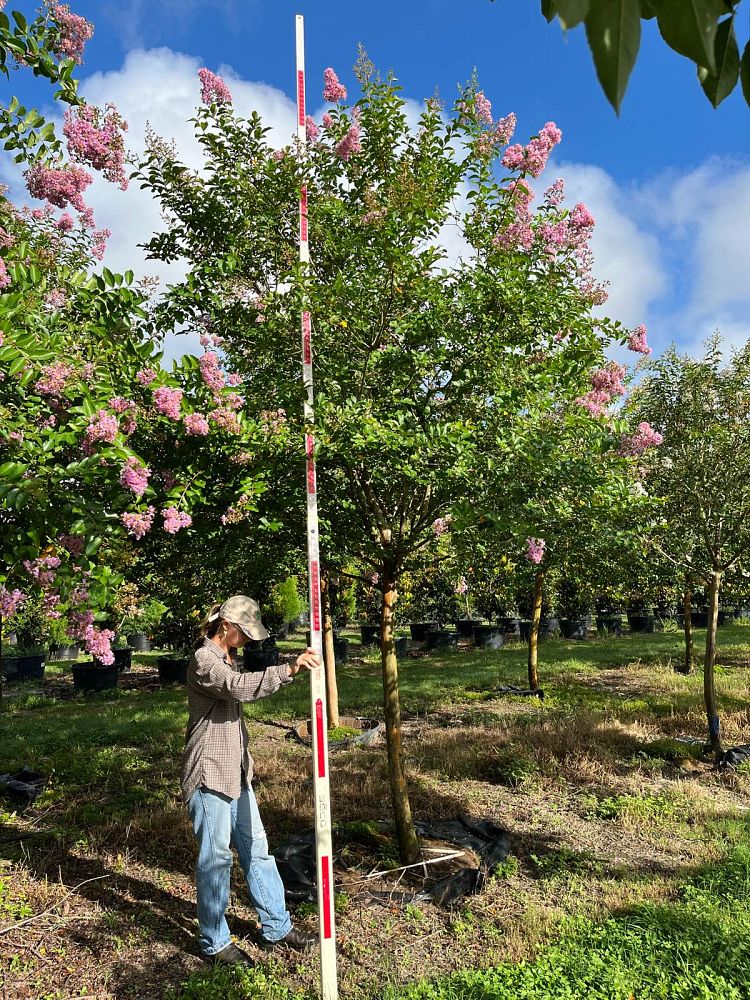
(216, 678)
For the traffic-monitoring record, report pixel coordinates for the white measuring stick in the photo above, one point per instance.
(319, 716)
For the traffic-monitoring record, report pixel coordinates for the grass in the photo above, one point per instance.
(628, 877)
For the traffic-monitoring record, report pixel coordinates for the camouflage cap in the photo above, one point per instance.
(245, 613)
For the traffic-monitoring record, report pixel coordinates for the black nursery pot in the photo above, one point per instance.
(699, 619)
(140, 642)
(488, 637)
(465, 626)
(575, 628)
(419, 630)
(123, 659)
(370, 635)
(172, 670)
(609, 623)
(441, 639)
(260, 655)
(340, 650)
(641, 623)
(24, 668)
(402, 646)
(90, 677)
(547, 626)
(510, 626)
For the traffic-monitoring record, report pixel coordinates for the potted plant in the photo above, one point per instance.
(93, 676)
(59, 644)
(640, 613)
(123, 654)
(140, 625)
(548, 623)
(609, 609)
(574, 602)
(173, 668)
(27, 655)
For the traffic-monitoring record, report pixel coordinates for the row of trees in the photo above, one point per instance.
(464, 405)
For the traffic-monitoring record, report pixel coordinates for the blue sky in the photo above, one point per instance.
(668, 182)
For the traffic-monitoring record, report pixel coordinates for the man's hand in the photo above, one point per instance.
(308, 660)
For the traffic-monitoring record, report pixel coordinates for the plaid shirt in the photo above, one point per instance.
(216, 753)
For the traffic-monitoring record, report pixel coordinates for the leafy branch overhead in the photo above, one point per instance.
(701, 30)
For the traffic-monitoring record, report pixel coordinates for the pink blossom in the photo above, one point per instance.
(79, 622)
(50, 605)
(535, 550)
(272, 421)
(278, 154)
(128, 424)
(637, 340)
(311, 129)
(61, 187)
(17, 437)
(55, 299)
(86, 218)
(241, 458)
(95, 137)
(48, 422)
(168, 401)
(234, 379)
(555, 193)
(350, 143)
(6, 239)
(65, 223)
(138, 524)
(99, 242)
(175, 519)
(441, 524)
(135, 476)
(581, 218)
(609, 379)
(99, 644)
(462, 587)
(75, 31)
(332, 90)
(53, 378)
(374, 216)
(532, 159)
(225, 418)
(211, 374)
(233, 400)
(42, 569)
(145, 376)
(10, 601)
(103, 428)
(4, 276)
(195, 423)
(483, 108)
(2, 338)
(73, 543)
(119, 404)
(327, 121)
(645, 437)
(213, 88)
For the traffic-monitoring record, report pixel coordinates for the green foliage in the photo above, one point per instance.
(284, 604)
(700, 30)
(512, 766)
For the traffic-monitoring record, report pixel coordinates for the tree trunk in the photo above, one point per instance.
(709, 684)
(687, 607)
(329, 655)
(408, 845)
(536, 614)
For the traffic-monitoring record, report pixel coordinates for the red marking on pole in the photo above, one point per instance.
(311, 478)
(325, 871)
(306, 338)
(301, 96)
(315, 580)
(320, 731)
(303, 214)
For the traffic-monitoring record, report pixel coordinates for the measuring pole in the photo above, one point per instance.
(319, 716)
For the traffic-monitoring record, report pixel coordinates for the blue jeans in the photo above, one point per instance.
(220, 823)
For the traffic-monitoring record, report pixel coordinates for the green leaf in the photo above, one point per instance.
(571, 12)
(549, 9)
(648, 10)
(689, 27)
(727, 55)
(613, 29)
(745, 72)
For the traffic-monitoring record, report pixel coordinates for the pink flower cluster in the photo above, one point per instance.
(637, 340)
(195, 423)
(533, 158)
(10, 601)
(145, 376)
(332, 90)
(119, 404)
(64, 223)
(79, 621)
(213, 88)
(103, 428)
(461, 587)
(225, 418)
(272, 421)
(50, 605)
(555, 193)
(168, 401)
(311, 129)
(327, 120)
(53, 379)
(73, 543)
(4, 276)
(138, 524)
(59, 187)
(55, 299)
(95, 137)
(175, 519)
(350, 143)
(374, 216)
(135, 476)
(441, 524)
(483, 108)
(75, 31)
(606, 385)
(99, 644)
(211, 373)
(43, 569)
(99, 242)
(519, 233)
(645, 437)
(535, 550)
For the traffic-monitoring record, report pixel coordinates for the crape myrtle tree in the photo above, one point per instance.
(98, 443)
(424, 366)
(702, 470)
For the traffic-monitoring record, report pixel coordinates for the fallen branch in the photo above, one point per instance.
(418, 864)
(37, 916)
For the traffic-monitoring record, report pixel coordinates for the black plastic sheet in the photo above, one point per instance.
(734, 757)
(22, 787)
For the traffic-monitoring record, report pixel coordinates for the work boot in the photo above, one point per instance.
(231, 955)
(296, 939)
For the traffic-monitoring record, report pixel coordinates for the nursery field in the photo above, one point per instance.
(629, 872)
